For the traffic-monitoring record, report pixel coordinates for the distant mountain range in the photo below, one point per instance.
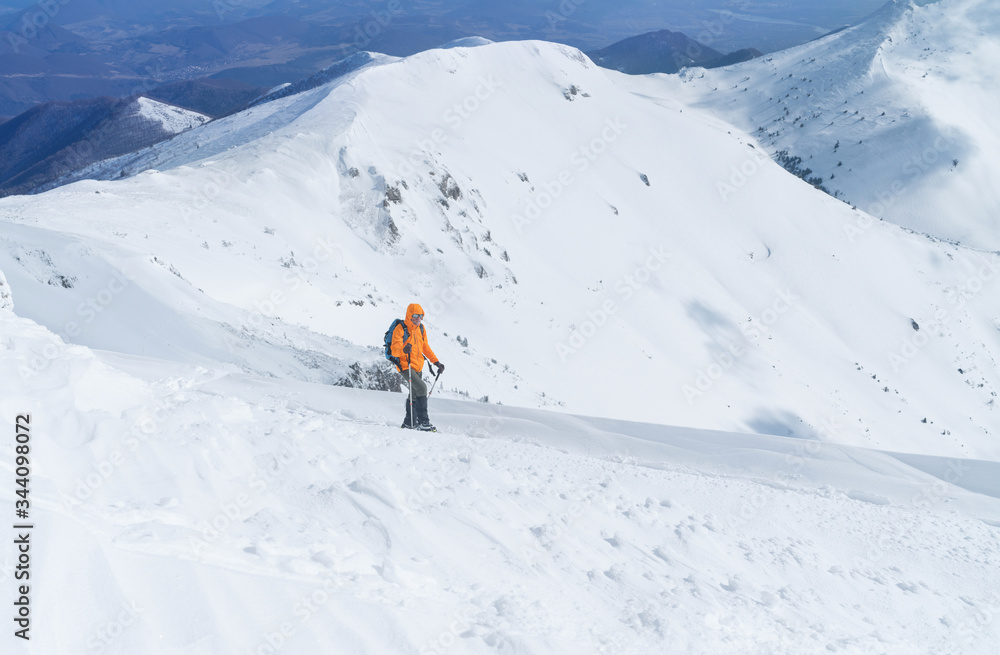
(52, 140)
(58, 64)
(90, 48)
(664, 51)
(52, 143)
(209, 96)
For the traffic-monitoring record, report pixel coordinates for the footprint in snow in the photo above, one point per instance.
(659, 552)
(323, 557)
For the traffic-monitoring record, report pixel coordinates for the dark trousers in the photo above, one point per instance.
(417, 414)
(416, 382)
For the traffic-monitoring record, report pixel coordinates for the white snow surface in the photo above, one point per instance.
(199, 486)
(897, 115)
(171, 119)
(183, 509)
(467, 42)
(502, 187)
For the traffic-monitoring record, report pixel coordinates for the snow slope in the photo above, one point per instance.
(172, 120)
(896, 115)
(578, 240)
(183, 509)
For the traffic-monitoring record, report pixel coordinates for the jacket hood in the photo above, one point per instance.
(411, 309)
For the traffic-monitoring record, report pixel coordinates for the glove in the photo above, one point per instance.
(440, 368)
(407, 348)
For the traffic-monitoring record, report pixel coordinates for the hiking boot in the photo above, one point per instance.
(420, 413)
(408, 422)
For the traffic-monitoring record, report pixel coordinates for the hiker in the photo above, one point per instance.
(409, 347)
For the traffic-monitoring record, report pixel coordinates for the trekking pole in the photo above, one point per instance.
(430, 363)
(409, 372)
(435, 383)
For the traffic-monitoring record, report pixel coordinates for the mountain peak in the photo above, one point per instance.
(661, 51)
(664, 51)
(466, 42)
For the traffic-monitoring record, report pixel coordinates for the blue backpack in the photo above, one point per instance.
(388, 339)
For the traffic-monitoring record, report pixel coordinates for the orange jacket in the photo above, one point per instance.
(417, 341)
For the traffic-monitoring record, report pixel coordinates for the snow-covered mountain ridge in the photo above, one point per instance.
(560, 223)
(47, 145)
(895, 115)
